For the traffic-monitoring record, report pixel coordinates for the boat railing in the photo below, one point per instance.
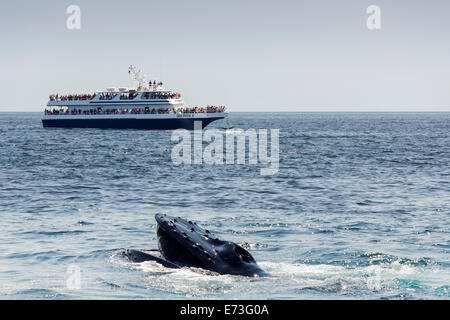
(119, 111)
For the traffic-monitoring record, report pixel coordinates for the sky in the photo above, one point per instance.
(251, 56)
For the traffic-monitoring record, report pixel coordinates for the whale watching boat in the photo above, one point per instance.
(149, 106)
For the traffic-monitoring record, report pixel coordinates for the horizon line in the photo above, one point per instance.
(338, 111)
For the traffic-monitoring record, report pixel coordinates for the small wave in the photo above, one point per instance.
(369, 203)
(83, 223)
(40, 294)
(55, 233)
(381, 258)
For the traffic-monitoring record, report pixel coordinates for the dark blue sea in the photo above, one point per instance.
(360, 209)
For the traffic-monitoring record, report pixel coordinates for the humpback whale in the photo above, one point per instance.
(182, 243)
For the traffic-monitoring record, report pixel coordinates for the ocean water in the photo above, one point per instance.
(360, 209)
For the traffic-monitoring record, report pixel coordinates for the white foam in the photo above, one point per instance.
(303, 270)
(384, 278)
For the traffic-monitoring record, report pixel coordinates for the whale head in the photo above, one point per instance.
(185, 243)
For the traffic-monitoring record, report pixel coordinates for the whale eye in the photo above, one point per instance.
(192, 230)
(205, 237)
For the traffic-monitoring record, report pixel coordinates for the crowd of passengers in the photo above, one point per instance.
(208, 109)
(109, 96)
(160, 95)
(71, 97)
(128, 96)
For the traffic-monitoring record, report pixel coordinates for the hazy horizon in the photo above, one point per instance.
(40, 111)
(252, 56)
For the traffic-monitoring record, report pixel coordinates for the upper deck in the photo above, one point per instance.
(129, 97)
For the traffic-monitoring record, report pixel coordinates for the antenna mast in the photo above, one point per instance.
(138, 76)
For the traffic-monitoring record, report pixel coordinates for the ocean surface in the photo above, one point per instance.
(360, 209)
